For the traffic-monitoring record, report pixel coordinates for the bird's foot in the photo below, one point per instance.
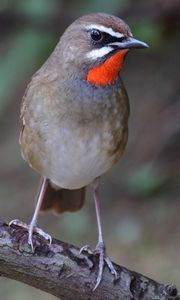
(32, 229)
(87, 249)
(100, 250)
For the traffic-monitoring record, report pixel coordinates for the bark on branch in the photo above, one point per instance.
(60, 270)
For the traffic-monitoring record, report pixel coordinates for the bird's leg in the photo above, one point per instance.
(100, 247)
(32, 226)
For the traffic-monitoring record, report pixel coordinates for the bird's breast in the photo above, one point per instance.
(73, 142)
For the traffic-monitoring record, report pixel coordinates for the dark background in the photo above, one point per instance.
(140, 195)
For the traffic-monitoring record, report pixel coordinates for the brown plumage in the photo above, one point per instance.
(74, 117)
(61, 200)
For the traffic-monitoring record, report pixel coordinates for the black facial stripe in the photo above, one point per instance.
(107, 39)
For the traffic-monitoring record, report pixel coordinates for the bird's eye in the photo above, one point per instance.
(96, 35)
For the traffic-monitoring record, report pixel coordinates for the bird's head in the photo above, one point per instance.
(94, 47)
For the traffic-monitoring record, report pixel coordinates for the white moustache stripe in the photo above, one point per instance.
(115, 44)
(97, 53)
(108, 30)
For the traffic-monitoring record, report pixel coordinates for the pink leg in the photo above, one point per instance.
(32, 226)
(100, 247)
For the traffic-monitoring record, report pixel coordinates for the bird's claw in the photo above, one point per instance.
(87, 249)
(100, 250)
(32, 229)
(18, 223)
(45, 235)
(103, 258)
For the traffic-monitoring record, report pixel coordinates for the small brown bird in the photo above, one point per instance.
(74, 118)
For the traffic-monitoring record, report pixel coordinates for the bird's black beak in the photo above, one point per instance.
(129, 43)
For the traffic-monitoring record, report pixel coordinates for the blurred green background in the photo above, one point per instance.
(140, 195)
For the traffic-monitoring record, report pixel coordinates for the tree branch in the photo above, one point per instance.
(60, 270)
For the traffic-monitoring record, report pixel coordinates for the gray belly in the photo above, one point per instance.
(73, 142)
(77, 157)
(72, 157)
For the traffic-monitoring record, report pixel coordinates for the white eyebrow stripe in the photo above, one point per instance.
(108, 30)
(97, 53)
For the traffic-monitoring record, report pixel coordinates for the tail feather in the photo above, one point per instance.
(61, 200)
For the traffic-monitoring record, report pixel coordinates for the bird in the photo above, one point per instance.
(74, 119)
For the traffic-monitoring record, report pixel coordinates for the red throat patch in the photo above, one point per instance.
(107, 72)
